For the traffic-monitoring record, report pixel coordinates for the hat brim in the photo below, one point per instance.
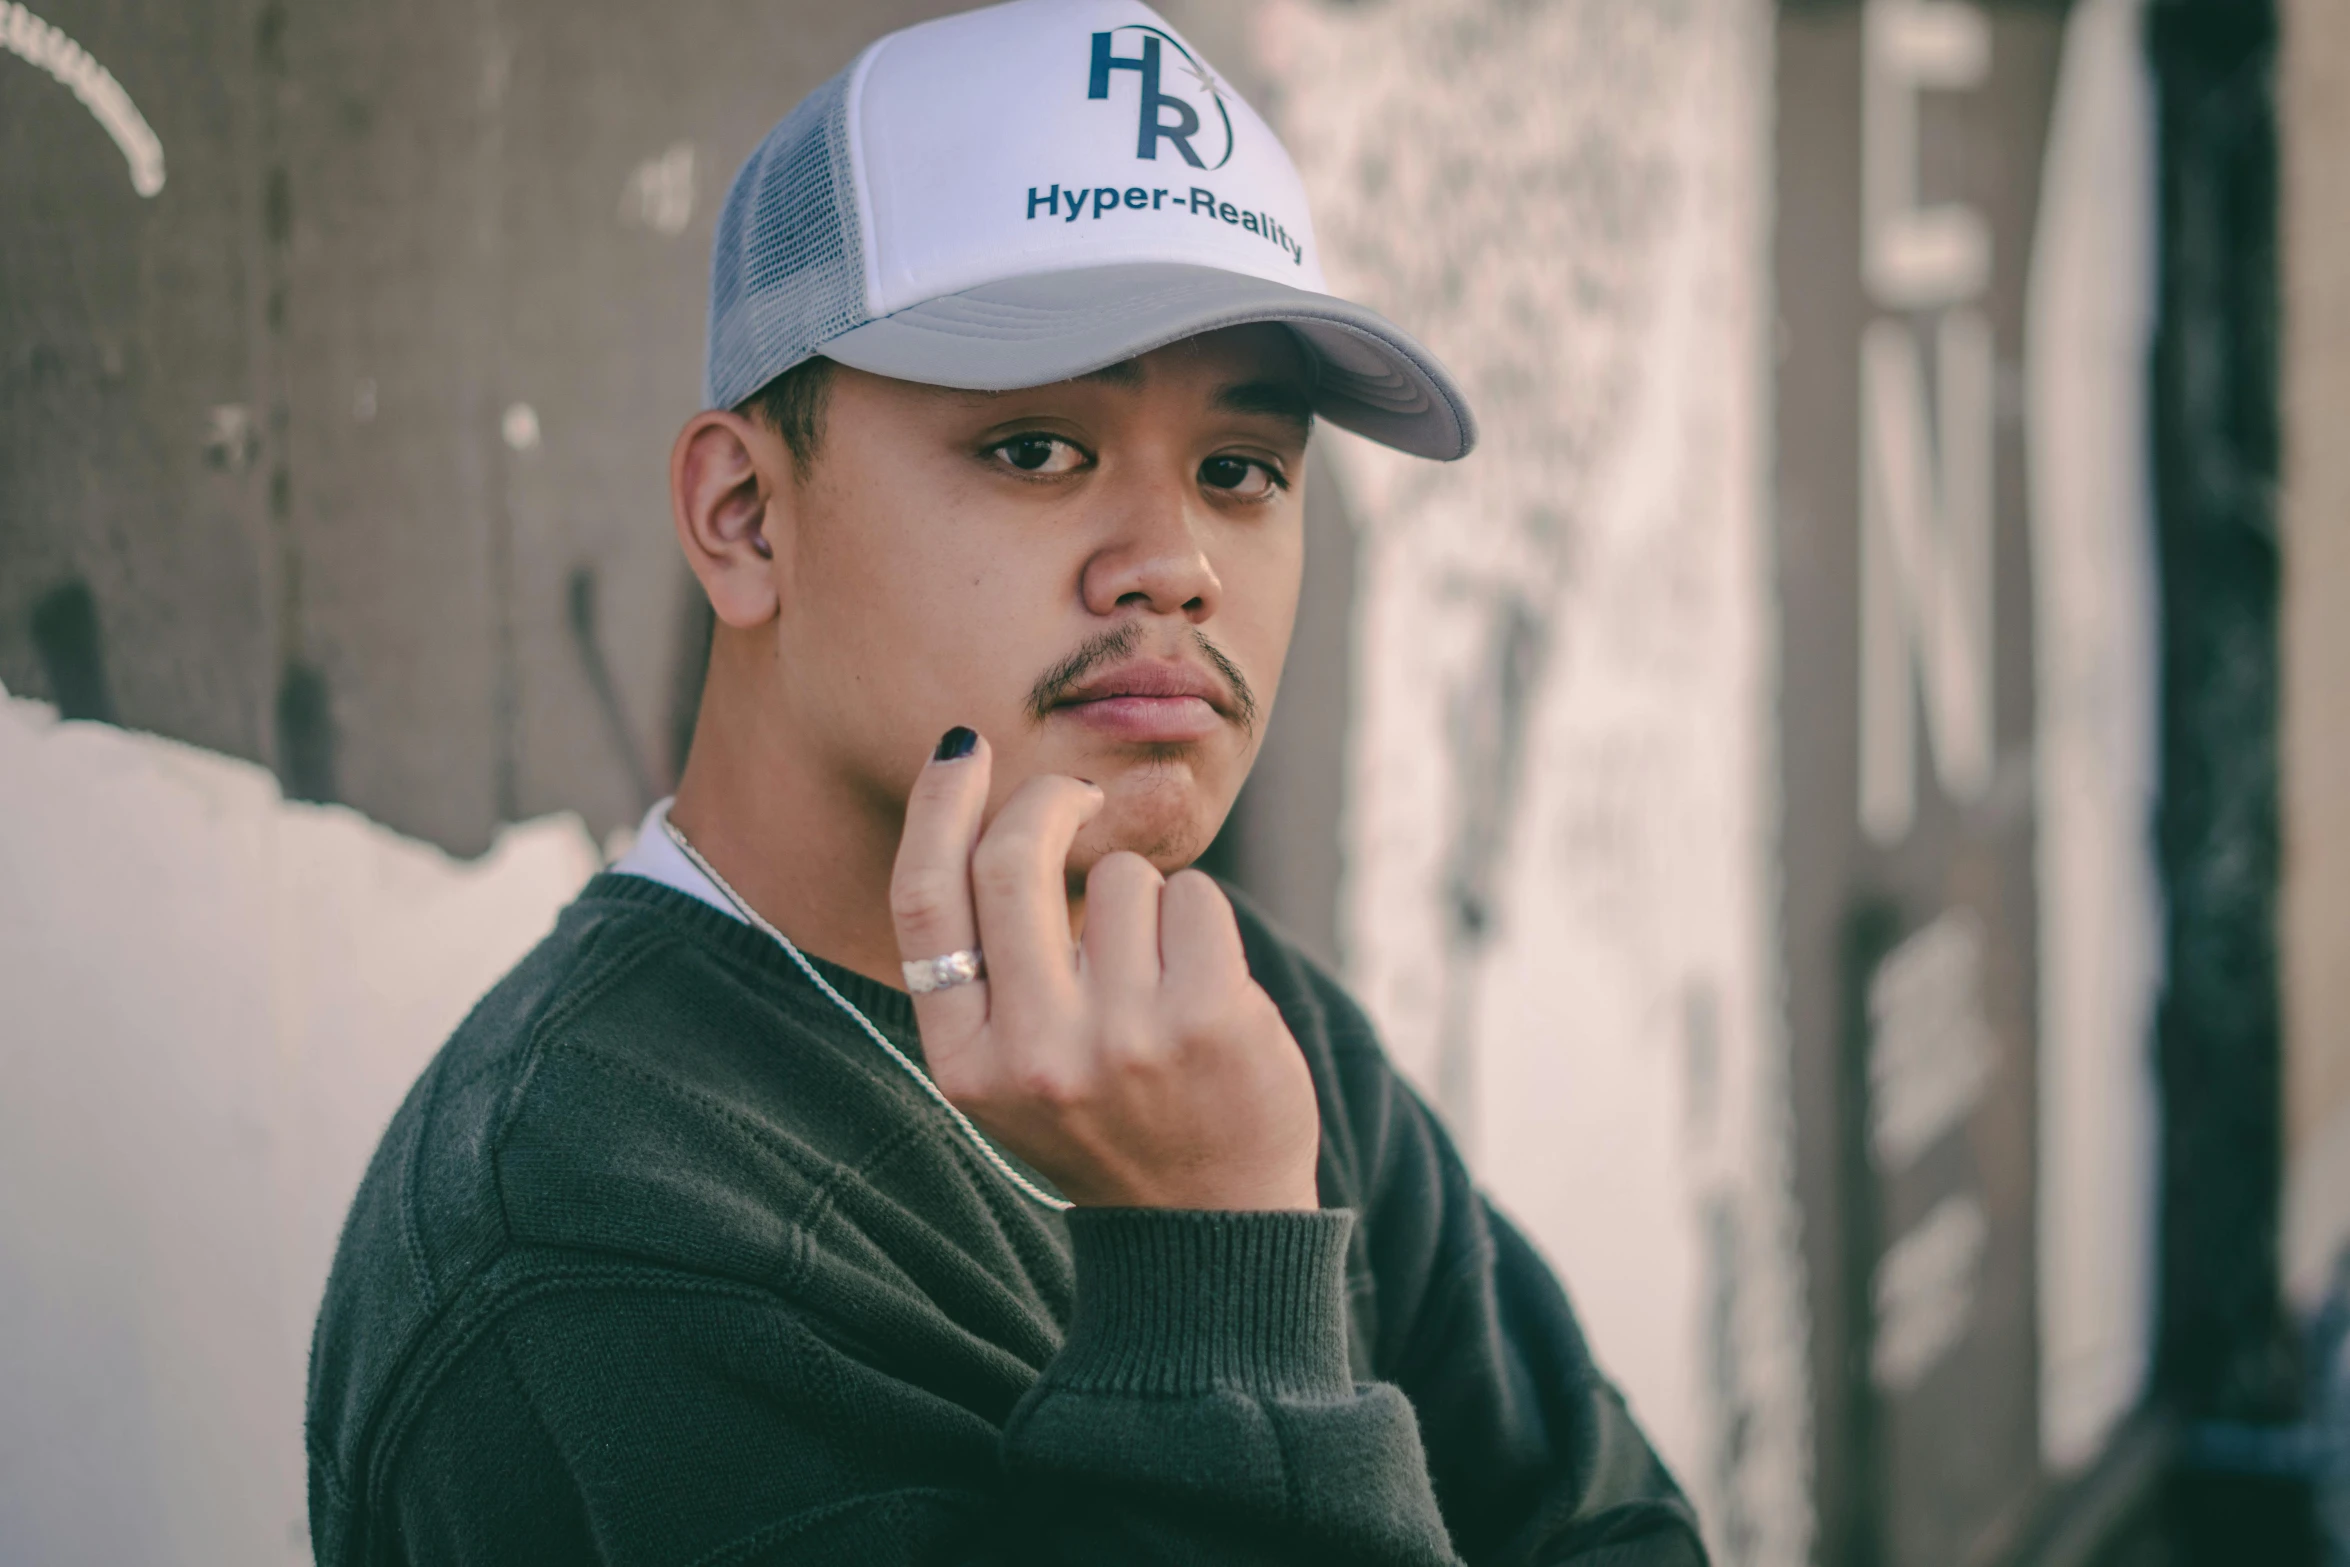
(1030, 331)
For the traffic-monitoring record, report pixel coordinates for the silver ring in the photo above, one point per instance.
(925, 975)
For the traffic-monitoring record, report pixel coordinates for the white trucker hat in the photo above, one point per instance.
(1019, 195)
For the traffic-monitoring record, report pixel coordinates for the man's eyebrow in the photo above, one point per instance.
(1281, 399)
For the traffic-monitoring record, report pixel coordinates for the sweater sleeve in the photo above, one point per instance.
(1200, 1410)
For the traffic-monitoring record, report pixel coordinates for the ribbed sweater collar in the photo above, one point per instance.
(891, 1009)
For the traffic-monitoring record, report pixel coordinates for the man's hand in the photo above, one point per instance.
(1146, 1070)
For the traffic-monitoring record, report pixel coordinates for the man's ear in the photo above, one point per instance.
(729, 494)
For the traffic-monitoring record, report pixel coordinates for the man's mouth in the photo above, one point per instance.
(1146, 701)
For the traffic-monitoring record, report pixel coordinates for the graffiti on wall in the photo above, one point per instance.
(38, 43)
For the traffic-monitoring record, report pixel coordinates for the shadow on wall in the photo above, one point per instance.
(65, 635)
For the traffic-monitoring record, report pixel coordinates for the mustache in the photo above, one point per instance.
(1054, 686)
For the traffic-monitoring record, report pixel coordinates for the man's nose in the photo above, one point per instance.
(1154, 555)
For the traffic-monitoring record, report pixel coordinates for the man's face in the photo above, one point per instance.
(1099, 576)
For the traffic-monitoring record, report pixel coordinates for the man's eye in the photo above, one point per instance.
(1243, 477)
(1039, 454)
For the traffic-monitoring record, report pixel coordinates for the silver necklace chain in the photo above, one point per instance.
(978, 1139)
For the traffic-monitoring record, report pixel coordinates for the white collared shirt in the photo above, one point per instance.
(656, 857)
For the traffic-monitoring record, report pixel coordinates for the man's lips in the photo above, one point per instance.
(1149, 701)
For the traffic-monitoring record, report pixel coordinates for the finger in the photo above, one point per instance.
(1020, 889)
(1122, 924)
(1199, 940)
(930, 886)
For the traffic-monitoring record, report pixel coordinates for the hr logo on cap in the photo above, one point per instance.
(1153, 126)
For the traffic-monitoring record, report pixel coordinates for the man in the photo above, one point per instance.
(1116, 1239)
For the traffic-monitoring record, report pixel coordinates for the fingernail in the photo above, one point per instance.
(955, 744)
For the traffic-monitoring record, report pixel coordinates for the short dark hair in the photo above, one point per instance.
(792, 405)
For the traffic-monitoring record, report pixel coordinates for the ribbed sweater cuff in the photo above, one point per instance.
(1174, 1301)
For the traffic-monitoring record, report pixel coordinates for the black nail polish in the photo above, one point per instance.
(955, 744)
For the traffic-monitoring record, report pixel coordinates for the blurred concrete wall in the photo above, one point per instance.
(1965, 588)
(345, 450)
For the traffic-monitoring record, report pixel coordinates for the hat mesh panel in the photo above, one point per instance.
(787, 272)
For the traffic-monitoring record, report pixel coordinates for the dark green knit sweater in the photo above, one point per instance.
(664, 1262)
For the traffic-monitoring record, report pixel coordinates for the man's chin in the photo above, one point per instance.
(1168, 822)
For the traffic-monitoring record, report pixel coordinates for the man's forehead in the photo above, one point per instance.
(1240, 370)
(1261, 350)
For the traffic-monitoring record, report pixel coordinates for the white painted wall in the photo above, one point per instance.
(211, 1001)
(1565, 673)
